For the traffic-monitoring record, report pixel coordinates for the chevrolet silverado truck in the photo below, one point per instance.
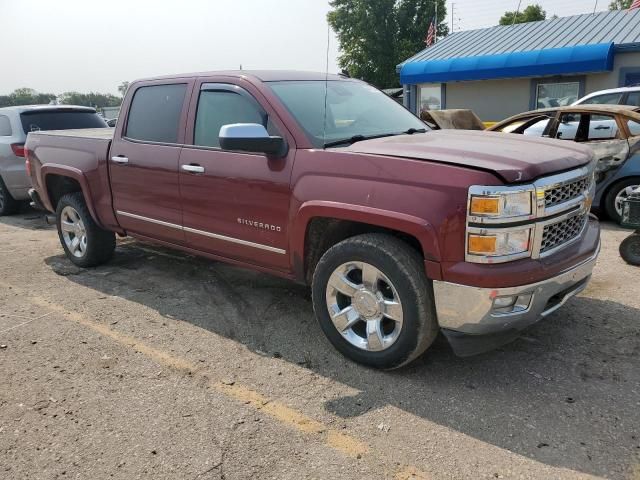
(401, 232)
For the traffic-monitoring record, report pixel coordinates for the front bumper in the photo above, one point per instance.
(473, 323)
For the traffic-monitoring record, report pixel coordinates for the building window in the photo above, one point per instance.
(430, 97)
(551, 95)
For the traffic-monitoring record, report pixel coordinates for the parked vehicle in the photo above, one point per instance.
(611, 131)
(401, 232)
(15, 124)
(613, 96)
(630, 246)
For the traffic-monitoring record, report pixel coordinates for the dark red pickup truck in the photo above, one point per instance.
(401, 232)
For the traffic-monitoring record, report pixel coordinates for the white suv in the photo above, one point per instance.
(614, 96)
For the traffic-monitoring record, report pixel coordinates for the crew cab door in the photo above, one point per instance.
(143, 163)
(235, 204)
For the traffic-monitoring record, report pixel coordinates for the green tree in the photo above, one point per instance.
(533, 13)
(25, 96)
(620, 4)
(376, 35)
(122, 88)
(92, 99)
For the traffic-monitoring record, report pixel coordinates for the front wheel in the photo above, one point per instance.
(374, 302)
(617, 194)
(83, 241)
(630, 249)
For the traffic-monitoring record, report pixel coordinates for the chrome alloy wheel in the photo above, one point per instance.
(364, 306)
(74, 232)
(623, 195)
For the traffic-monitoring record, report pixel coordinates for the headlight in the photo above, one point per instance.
(499, 245)
(501, 205)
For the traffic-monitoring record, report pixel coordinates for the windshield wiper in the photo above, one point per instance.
(360, 138)
(411, 131)
(354, 139)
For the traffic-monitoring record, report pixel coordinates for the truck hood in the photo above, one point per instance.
(515, 158)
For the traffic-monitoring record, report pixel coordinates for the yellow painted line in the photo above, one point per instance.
(335, 439)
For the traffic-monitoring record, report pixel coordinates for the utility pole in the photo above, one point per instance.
(453, 5)
(515, 17)
(595, 7)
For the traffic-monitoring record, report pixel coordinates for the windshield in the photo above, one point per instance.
(353, 109)
(60, 120)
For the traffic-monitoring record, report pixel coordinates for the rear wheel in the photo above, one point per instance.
(630, 249)
(617, 194)
(84, 242)
(8, 205)
(374, 302)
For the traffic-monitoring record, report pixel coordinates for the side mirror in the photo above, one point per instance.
(251, 137)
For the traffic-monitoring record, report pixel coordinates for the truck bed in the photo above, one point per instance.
(78, 154)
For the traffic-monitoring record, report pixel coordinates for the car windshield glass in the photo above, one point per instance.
(60, 120)
(355, 111)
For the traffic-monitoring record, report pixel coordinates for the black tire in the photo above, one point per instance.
(614, 190)
(630, 249)
(8, 205)
(100, 243)
(404, 267)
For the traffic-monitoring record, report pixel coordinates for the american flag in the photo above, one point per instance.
(431, 34)
(635, 4)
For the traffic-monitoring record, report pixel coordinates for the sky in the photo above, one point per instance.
(94, 45)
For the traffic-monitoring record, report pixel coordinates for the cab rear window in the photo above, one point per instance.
(60, 120)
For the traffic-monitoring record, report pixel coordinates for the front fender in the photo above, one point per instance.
(73, 173)
(419, 228)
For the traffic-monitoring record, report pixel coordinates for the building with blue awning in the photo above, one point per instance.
(504, 70)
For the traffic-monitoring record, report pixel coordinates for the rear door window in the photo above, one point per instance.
(61, 119)
(633, 99)
(5, 126)
(606, 99)
(155, 113)
(634, 127)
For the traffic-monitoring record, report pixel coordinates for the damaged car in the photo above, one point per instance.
(611, 131)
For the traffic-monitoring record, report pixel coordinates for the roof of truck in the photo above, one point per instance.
(262, 75)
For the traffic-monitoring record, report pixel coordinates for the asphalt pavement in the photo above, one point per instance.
(162, 365)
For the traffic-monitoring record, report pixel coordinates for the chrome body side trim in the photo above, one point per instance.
(150, 220)
(246, 243)
(471, 310)
(216, 236)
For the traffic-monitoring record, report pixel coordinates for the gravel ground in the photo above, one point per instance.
(161, 365)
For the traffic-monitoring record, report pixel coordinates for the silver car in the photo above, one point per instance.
(15, 124)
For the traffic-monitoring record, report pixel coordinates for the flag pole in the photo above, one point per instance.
(436, 25)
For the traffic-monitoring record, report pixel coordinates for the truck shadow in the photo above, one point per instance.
(27, 218)
(548, 396)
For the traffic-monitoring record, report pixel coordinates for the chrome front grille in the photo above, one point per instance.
(557, 234)
(566, 192)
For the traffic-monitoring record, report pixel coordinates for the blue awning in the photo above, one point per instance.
(536, 63)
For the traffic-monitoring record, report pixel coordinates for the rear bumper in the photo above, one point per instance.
(473, 323)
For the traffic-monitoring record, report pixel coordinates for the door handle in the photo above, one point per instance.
(193, 168)
(120, 160)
